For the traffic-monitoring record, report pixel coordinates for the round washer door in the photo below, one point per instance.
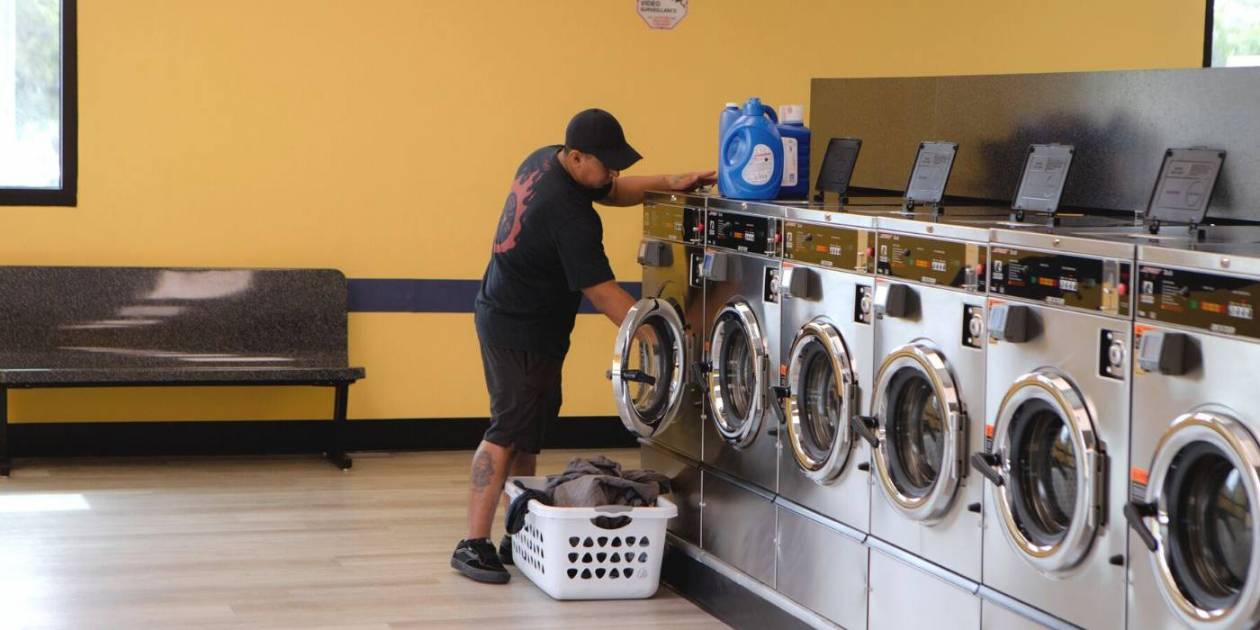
(1204, 484)
(921, 430)
(822, 387)
(739, 374)
(649, 366)
(1050, 458)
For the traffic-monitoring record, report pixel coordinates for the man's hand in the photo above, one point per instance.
(690, 181)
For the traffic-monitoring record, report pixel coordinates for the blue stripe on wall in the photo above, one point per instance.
(383, 295)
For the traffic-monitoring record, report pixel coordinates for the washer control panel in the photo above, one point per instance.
(845, 248)
(682, 224)
(744, 233)
(932, 261)
(1208, 301)
(1092, 284)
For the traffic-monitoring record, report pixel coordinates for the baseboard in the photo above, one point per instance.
(720, 596)
(72, 439)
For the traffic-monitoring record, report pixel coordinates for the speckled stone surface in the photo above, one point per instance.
(68, 325)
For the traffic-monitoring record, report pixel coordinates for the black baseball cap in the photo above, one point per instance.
(596, 132)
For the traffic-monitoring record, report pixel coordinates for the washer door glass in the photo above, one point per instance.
(1210, 523)
(737, 382)
(1043, 472)
(922, 431)
(1050, 504)
(649, 366)
(821, 380)
(1203, 482)
(915, 431)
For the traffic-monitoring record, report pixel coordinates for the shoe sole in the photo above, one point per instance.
(484, 576)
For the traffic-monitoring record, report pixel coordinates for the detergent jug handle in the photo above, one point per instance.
(740, 156)
(774, 116)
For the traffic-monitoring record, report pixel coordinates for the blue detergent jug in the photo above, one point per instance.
(795, 152)
(750, 165)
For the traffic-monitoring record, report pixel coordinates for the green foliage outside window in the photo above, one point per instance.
(1236, 33)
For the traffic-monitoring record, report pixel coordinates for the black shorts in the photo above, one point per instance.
(524, 396)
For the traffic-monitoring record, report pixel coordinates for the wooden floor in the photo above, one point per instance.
(278, 542)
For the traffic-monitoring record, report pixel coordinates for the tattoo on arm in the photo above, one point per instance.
(482, 470)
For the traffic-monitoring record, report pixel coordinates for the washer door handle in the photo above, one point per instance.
(638, 376)
(780, 392)
(866, 427)
(984, 464)
(1136, 513)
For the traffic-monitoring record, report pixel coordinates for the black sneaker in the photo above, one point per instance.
(477, 559)
(505, 550)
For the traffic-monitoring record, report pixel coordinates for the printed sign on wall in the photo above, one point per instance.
(662, 14)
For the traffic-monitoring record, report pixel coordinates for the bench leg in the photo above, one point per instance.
(336, 453)
(5, 464)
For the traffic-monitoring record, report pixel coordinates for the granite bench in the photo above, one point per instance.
(132, 326)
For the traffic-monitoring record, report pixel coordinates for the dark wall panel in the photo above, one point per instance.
(1120, 122)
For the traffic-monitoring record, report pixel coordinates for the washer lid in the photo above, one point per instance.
(1205, 493)
(649, 366)
(1052, 467)
(738, 380)
(822, 387)
(920, 432)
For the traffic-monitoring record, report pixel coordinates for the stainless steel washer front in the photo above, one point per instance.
(649, 366)
(1049, 499)
(821, 385)
(921, 431)
(738, 380)
(1203, 491)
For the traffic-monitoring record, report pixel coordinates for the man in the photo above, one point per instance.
(548, 252)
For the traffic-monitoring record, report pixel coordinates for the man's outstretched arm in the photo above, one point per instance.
(628, 191)
(610, 299)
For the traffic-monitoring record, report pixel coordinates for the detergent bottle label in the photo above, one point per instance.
(790, 176)
(760, 167)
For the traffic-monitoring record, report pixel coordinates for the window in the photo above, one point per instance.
(1235, 33)
(38, 103)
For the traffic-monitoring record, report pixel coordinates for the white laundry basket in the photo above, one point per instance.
(569, 557)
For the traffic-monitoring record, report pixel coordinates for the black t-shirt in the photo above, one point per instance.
(548, 247)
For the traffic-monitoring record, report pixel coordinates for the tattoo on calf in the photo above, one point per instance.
(482, 470)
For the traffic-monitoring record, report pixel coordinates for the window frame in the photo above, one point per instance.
(67, 195)
(1208, 26)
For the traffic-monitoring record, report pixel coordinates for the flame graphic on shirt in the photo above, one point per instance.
(514, 209)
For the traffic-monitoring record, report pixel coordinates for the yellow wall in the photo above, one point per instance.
(379, 137)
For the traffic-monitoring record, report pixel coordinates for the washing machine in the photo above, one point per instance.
(655, 388)
(826, 362)
(926, 406)
(826, 350)
(1056, 432)
(1195, 488)
(741, 274)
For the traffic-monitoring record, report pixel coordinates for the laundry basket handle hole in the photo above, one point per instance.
(611, 522)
